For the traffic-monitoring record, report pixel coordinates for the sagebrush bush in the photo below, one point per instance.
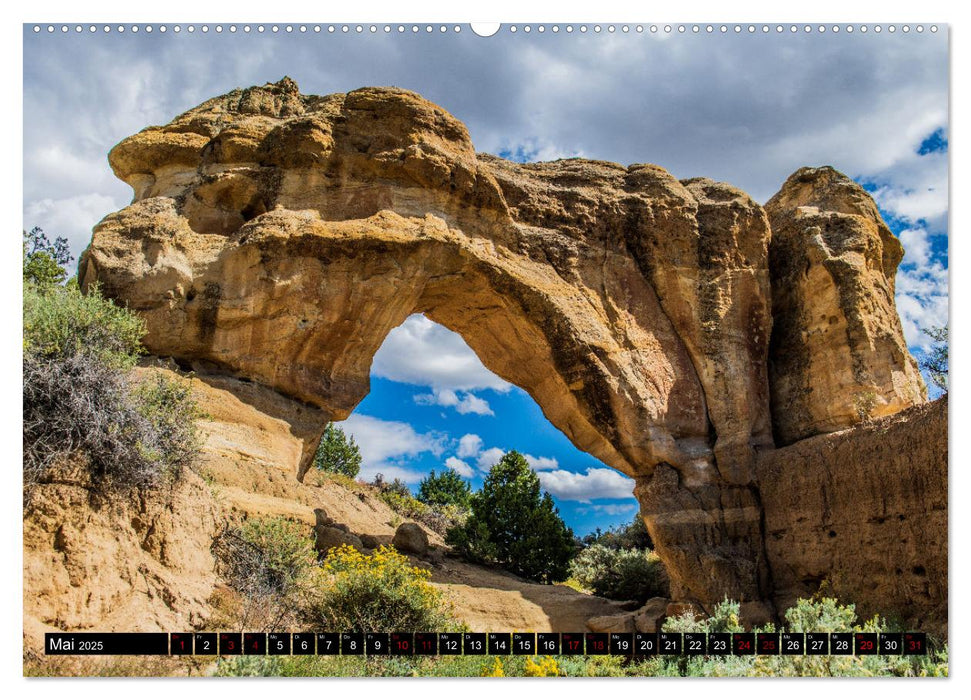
(80, 404)
(816, 615)
(397, 496)
(271, 564)
(620, 574)
(380, 592)
(62, 322)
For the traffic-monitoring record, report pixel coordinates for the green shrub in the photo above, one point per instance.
(397, 496)
(634, 535)
(515, 526)
(380, 592)
(271, 566)
(820, 615)
(620, 574)
(337, 453)
(287, 549)
(80, 405)
(61, 322)
(445, 489)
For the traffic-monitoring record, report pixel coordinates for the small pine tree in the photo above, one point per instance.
(445, 489)
(514, 525)
(337, 453)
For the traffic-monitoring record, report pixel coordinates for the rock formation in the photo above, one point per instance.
(865, 511)
(838, 351)
(278, 237)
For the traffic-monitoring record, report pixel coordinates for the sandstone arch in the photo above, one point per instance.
(279, 237)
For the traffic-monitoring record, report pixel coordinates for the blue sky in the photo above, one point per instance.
(744, 108)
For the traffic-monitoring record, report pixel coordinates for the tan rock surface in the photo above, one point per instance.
(864, 510)
(632, 307)
(276, 238)
(838, 351)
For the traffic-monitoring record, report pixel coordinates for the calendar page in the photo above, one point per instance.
(544, 349)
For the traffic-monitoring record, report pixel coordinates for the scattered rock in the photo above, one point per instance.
(328, 537)
(410, 538)
(370, 541)
(612, 623)
(650, 617)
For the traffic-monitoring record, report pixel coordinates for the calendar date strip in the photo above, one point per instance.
(485, 643)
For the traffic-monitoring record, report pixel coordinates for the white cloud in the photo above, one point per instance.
(72, 217)
(489, 457)
(610, 508)
(386, 446)
(460, 467)
(541, 463)
(915, 189)
(467, 403)
(422, 352)
(917, 248)
(595, 483)
(921, 288)
(470, 445)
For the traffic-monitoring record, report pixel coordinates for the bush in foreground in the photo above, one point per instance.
(80, 403)
(381, 592)
(271, 566)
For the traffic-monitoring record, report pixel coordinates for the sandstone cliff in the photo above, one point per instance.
(865, 511)
(278, 237)
(838, 350)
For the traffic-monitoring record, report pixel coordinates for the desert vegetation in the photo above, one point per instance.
(515, 526)
(276, 580)
(82, 408)
(816, 614)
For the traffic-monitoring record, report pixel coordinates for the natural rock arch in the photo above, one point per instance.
(279, 237)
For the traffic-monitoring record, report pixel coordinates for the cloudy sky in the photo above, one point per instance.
(745, 108)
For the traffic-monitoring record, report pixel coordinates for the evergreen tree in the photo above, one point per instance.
(516, 526)
(337, 453)
(445, 489)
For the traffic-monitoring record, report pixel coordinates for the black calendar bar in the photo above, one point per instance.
(98, 643)
(636, 644)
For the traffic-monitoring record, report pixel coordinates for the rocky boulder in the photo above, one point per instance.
(410, 538)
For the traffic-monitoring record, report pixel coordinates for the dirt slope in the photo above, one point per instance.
(146, 565)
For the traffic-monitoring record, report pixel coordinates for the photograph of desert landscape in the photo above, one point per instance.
(617, 331)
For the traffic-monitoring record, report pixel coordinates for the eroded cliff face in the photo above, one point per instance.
(865, 511)
(279, 237)
(838, 350)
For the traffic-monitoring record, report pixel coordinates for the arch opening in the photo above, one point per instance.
(433, 405)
